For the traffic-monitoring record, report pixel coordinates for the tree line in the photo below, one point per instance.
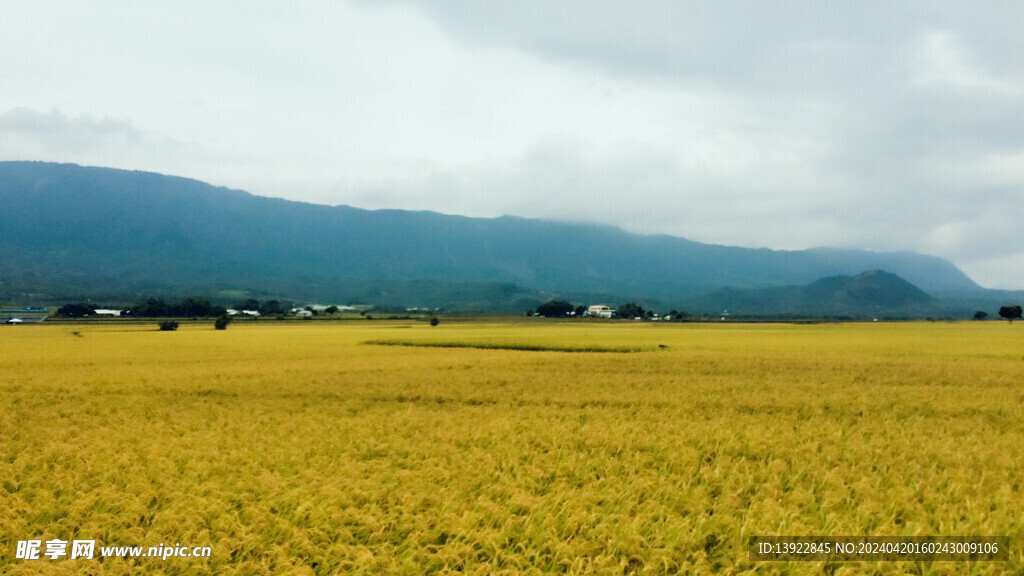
(630, 310)
(190, 307)
(563, 309)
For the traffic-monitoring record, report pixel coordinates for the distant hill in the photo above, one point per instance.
(68, 230)
(870, 294)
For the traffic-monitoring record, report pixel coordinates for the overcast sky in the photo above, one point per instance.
(784, 124)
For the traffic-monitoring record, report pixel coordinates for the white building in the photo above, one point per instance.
(600, 311)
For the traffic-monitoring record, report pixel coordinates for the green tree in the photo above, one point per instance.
(980, 315)
(678, 316)
(151, 308)
(222, 321)
(75, 311)
(555, 309)
(248, 304)
(271, 307)
(193, 306)
(1011, 313)
(631, 310)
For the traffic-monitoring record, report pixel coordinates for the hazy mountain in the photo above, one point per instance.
(67, 230)
(870, 294)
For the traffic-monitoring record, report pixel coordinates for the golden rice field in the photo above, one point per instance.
(647, 449)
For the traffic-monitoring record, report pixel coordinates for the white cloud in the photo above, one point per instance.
(38, 132)
(941, 60)
(27, 134)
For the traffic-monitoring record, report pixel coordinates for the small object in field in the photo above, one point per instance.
(222, 321)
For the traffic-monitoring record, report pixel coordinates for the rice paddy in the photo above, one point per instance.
(507, 447)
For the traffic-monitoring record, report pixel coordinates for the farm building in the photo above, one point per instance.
(23, 316)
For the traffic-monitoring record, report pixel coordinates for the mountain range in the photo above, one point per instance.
(68, 231)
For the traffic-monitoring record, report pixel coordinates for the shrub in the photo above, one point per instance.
(222, 321)
(434, 321)
(169, 325)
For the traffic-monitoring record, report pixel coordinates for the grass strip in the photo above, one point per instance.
(507, 346)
